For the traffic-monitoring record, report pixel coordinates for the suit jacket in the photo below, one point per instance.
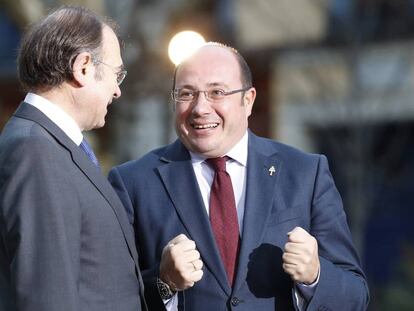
(161, 195)
(65, 239)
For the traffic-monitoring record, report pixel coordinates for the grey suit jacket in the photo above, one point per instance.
(65, 241)
(161, 195)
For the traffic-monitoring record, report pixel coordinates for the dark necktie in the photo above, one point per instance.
(89, 152)
(223, 216)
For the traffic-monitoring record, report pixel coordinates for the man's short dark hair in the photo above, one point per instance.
(245, 72)
(49, 49)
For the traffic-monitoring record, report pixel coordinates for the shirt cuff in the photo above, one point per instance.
(172, 303)
(307, 290)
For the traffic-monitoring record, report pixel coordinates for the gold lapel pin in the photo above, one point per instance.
(272, 170)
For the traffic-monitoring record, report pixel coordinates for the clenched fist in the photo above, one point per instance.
(300, 258)
(181, 265)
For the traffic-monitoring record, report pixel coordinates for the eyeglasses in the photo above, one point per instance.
(120, 74)
(185, 95)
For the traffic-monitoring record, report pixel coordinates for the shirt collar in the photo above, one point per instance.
(57, 115)
(237, 153)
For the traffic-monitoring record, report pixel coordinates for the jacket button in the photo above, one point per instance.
(235, 301)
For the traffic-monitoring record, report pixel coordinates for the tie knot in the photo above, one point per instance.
(218, 164)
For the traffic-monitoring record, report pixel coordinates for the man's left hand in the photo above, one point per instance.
(301, 259)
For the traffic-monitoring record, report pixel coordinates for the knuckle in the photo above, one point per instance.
(187, 275)
(181, 236)
(300, 270)
(198, 276)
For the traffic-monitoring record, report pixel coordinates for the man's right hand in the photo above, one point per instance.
(181, 266)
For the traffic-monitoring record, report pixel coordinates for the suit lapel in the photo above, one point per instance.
(262, 176)
(181, 184)
(87, 167)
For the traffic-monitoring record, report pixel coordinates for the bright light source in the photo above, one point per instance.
(183, 44)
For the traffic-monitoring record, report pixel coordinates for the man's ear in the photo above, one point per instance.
(83, 68)
(248, 100)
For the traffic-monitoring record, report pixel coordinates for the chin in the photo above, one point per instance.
(206, 150)
(99, 125)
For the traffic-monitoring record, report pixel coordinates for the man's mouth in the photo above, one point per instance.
(205, 126)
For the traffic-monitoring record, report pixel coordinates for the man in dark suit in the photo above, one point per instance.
(65, 239)
(226, 220)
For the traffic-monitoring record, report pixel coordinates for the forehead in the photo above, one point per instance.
(210, 64)
(110, 45)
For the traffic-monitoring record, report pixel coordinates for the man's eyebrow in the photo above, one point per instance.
(209, 85)
(186, 86)
(221, 84)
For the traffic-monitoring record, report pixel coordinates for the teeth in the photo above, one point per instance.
(206, 126)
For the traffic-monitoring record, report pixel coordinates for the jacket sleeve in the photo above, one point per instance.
(149, 275)
(342, 284)
(40, 227)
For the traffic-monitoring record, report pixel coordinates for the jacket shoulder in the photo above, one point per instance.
(283, 151)
(147, 162)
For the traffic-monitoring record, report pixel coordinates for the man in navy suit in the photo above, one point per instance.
(65, 240)
(293, 246)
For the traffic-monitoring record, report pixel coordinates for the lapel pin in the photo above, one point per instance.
(272, 170)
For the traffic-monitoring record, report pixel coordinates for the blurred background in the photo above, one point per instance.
(332, 76)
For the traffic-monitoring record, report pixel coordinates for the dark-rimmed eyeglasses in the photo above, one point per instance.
(120, 74)
(186, 95)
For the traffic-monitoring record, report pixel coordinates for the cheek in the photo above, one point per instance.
(179, 123)
(181, 116)
(227, 114)
(235, 119)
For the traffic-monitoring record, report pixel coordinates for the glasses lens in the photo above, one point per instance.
(183, 95)
(216, 94)
(121, 76)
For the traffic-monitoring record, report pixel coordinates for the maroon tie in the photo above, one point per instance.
(223, 216)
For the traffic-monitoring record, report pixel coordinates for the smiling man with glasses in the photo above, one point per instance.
(227, 220)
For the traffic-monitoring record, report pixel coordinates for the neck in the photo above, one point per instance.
(62, 97)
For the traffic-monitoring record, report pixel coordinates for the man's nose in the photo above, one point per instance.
(201, 104)
(117, 93)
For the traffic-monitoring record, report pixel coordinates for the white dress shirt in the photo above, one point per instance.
(57, 115)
